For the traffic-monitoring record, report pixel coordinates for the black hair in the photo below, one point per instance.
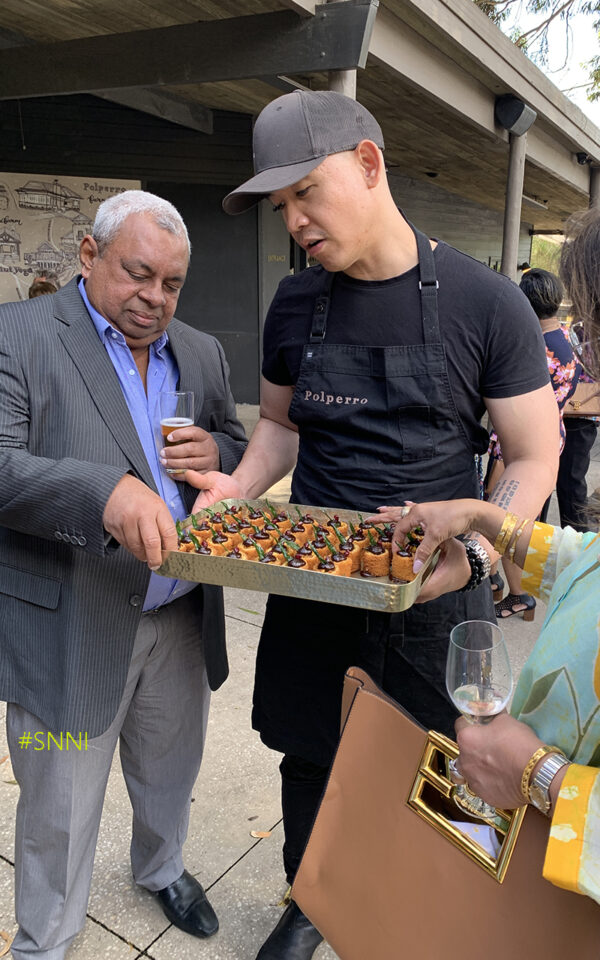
(544, 291)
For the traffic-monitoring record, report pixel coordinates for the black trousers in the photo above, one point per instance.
(571, 488)
(304, 652)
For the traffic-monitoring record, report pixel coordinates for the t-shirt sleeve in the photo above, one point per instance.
(515, 357)
(274, 366)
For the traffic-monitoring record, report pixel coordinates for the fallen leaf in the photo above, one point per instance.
(8, 940)
(260, 834)
(245, 610)
(2, 759)
(6, 771)
(286, 898)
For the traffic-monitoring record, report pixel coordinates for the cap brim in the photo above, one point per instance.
(260, 186)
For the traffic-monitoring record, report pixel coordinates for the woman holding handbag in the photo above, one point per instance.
(547, 752)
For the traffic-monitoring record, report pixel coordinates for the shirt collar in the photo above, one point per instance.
(105, 329)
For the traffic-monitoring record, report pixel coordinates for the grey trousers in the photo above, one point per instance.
(161, 726)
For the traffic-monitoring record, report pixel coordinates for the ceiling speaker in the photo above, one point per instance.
(514, 115)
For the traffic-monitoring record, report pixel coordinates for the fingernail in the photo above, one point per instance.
(417, 565)
(170, 438)
(155, 568)
(163, 461)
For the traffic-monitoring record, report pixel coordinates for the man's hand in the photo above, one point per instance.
(452, 572)
(493, 757)
(195, 450)
(214, 486)
(140, 521)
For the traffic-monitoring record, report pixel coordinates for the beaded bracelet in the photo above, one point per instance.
(528, 769)
(480, 564)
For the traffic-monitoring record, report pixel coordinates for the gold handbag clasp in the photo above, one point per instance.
(431, 797)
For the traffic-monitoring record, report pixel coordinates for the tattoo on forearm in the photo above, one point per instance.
(504, 492)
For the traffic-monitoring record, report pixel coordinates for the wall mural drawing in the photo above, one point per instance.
(42, 222)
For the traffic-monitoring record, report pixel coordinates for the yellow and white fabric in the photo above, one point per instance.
(558, 695)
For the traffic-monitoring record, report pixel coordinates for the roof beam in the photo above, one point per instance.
(163, 104)
(336, 38)
(422, 65)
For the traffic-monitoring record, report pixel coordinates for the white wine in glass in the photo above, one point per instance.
(478, 673)
(479, 682)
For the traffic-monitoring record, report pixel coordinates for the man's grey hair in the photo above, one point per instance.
(112, 213)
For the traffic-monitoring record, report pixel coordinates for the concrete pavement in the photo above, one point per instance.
(237, 792)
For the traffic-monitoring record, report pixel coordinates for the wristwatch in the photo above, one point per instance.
(539, 786)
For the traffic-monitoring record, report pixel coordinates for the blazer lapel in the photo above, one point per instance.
(189, 364)
(80, 339)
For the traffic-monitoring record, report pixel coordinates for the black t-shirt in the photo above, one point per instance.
(493, 341)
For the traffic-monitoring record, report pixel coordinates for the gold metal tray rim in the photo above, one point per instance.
(355, 591)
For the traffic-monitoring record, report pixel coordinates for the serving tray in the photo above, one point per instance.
(376, 593)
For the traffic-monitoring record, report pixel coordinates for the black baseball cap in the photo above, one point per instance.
(294, 134)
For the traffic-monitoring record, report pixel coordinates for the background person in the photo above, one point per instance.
(40, 287)
(90, 639)
(545, 293)
(374, 384)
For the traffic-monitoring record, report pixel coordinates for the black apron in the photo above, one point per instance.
(377, 425)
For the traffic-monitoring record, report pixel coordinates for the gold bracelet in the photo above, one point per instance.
(512, 546)
(526, 775)
(506, 532)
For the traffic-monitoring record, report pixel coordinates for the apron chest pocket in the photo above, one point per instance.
(416, 437)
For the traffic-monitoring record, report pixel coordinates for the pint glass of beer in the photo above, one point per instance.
(176, 409)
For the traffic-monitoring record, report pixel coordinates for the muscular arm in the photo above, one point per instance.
(273, 449)
(527, 426)
(528, 429)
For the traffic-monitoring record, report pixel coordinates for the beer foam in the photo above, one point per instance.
(177, 422)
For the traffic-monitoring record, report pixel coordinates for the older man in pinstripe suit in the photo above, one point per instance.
(91, 639)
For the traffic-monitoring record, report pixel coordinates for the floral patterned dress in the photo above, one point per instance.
(564, 374)
(558, 695)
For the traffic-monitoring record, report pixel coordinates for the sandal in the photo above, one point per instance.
(497, 587)
(506, 607)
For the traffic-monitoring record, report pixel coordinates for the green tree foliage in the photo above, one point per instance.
(534, 40)
(545, 254)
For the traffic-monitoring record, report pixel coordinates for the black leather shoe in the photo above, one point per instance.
(294, 937)
(185, 904)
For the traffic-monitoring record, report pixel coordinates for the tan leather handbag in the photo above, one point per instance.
(386, 876)
(584, 401)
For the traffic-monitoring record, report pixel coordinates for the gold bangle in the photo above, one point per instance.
(528, 769)
(512, 547)
(506, 531)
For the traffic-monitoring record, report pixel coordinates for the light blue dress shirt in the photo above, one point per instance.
(162, 375)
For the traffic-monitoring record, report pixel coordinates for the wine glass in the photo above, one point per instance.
(479, 682)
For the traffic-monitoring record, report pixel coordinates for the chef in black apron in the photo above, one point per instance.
(377, 425)
(410, 427)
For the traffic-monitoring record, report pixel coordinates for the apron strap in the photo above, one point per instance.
(428, 288)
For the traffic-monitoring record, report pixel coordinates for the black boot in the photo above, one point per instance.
(294, 937)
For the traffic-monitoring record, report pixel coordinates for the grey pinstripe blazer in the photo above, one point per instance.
(70, 603)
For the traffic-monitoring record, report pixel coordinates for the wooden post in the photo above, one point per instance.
(512, 208)
(595, 185)
(342, 81)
